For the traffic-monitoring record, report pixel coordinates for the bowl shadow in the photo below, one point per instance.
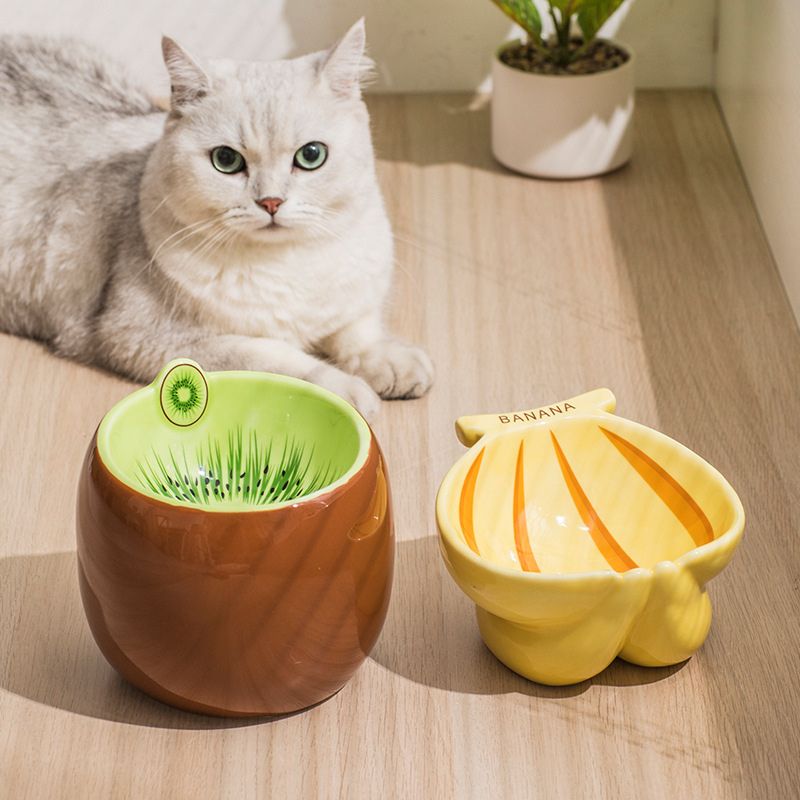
(431, 637)
(52, 658)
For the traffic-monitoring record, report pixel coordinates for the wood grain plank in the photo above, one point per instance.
(655, 281)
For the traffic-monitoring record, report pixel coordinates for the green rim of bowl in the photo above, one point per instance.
(337, 439)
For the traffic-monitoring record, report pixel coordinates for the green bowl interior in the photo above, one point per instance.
(263, 440)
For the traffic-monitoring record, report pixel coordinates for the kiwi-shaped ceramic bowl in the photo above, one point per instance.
(582, 536)
(235, 542)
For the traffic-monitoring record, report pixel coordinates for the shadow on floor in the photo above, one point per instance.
(47, 653)
(444, 129)
(52, 659)
(723, 356)
(431, 637)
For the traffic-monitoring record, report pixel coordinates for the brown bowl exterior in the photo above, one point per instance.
(236, 613)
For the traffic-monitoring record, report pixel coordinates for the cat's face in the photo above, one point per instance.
(268, 151)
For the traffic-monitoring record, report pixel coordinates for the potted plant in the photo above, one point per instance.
(562, 105)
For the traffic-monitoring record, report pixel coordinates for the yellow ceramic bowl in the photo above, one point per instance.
(582, 536)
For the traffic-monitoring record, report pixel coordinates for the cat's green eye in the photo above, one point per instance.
(227, 160)
(311, 156)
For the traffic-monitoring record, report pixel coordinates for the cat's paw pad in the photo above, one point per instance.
(352, 388)
(396, 370)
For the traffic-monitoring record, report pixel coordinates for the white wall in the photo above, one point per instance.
(420, 45)
(759, 91)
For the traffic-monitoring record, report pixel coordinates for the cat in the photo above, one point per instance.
(243, 228)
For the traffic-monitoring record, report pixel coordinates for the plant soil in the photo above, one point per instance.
(600, 56)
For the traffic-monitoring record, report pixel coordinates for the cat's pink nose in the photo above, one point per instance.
(270, 204)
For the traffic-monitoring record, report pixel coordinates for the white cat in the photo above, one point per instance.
(245, 228)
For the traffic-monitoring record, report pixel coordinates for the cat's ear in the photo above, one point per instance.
(188, 81)
(345, 67)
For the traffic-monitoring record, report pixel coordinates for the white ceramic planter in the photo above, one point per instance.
(562, 126)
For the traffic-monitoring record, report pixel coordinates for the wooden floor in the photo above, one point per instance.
(655, 281)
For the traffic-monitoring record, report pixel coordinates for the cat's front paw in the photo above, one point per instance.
(396, 370)
(352, 388)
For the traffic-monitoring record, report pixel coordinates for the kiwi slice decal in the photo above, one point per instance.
(184, 395)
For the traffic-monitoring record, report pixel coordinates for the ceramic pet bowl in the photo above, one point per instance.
(582, 536)
(235, 543)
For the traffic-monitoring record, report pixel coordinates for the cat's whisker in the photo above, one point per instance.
(206, 245)
(316, 218)
(416, 244)
(187, 232)
(190, 227)
(154, 210)
(211, 243)
(319, 226)
(183, 233)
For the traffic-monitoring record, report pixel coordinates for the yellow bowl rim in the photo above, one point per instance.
(450, 537)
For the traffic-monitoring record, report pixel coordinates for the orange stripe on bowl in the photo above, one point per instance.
(676, 498)
(467, 502)
(617, 558)
(521, 538)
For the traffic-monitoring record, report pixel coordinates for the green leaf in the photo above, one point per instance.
(567, 6)
(593, 14)
(567, 9)
(524, 13)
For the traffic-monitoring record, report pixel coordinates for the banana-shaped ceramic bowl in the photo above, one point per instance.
(582, 536)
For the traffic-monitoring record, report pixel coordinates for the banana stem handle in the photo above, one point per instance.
(470, 429)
